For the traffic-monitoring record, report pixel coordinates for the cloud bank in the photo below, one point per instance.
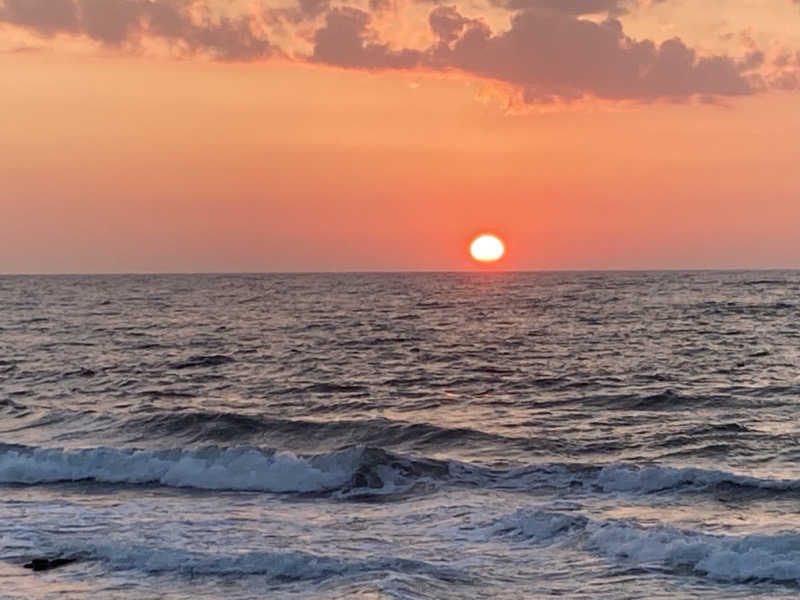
(550, 52)
(126, 22)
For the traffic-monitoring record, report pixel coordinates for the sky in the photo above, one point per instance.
(319, 135)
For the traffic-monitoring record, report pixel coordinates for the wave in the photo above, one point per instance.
(278, 565)
(190, 426)
(282, 566)
(639, 479)
(657, 478)
(354, 471)
(729, 558)
(209, 426)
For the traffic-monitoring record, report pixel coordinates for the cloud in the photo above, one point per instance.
(346, 41)
(121, 22)
(552, 50)
(46, 16)
(548, 54)
(785, 73)
(303, 10)
(448, 25)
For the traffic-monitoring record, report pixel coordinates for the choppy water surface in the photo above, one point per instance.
(488, 435)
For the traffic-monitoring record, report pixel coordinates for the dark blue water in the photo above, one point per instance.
(481, 435)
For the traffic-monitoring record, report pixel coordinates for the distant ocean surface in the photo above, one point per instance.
(403, 436)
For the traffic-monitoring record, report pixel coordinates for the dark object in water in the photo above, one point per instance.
(45, 564)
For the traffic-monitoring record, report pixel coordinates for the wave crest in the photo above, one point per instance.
(730, 558)
(212, 468)
(354, 471)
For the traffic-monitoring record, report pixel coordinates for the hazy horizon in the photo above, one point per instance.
(476, 270)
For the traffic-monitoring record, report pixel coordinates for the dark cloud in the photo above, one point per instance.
(46, 16)
(548, 55)
(113, 22)
(346, 40)
(447, 24)
(313, 8)
(304, 10)
(119, 22)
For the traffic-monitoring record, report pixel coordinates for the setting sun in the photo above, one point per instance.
(487, 248)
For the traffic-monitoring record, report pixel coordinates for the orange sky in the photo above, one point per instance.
(134, 154)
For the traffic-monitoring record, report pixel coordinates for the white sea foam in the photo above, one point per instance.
(210, 468)
(720, 557)
(538, 526)
(724, 558)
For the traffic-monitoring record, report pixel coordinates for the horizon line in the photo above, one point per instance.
(397, 271)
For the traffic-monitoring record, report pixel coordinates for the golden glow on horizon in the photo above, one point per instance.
(487, 248)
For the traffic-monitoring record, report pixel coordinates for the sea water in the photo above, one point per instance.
(409, 436)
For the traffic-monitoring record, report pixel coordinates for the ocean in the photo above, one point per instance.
(405, 436)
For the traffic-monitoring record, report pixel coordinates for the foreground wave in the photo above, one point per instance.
(772, 557)
(213, 468)
(277, 565)
(730, 558)
(362, 468)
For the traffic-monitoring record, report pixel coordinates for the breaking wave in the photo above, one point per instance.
(212, 468)
(356, 469)
(728, 558)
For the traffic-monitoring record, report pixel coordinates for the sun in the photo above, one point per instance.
(487, 248)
